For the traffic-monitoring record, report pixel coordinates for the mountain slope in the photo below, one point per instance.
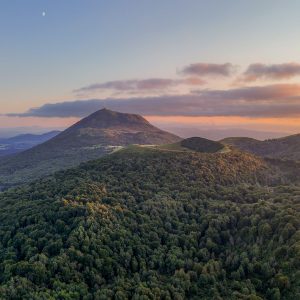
(92, 137)
(23, 142)
(108, 127)
(283, 148)
(152, 224)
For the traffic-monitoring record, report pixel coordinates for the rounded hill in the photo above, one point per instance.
(199, 144)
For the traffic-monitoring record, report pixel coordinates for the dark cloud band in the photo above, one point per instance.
(281, 100)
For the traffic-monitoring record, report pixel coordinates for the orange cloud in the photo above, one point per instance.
(193, 81)
(269, 101)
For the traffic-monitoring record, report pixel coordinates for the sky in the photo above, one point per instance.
(211, 65)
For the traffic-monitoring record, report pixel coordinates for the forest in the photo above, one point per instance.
(151, 224)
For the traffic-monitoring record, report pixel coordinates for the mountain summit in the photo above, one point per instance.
(105, 118)
(106, 127)
(92, 137)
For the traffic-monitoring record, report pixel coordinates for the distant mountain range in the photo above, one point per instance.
(100, 133)
(282, 148)
(23, 142)
(8, 132)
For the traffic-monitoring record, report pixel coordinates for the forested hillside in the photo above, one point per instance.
(287, 148)
(92, 137)
(153, 224)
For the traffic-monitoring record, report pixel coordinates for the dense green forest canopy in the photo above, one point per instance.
(151, 224)
(202, 145)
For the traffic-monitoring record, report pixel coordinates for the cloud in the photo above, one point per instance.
(278, 100)
(142, 85)
(151, 86)
(208, 69)
(77, 108)
(193, 81)
(271, 93)
(273, 72)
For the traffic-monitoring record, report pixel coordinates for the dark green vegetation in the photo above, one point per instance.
(195, 144)
(152, 224)
(282, 148)
(23, 142)
(90, 138)
(202, 145)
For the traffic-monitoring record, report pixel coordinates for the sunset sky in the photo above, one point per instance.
(196, 64)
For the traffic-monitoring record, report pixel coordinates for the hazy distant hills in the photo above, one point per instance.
(8, 132)
(100, 133)
(281, 148)
(23, 142)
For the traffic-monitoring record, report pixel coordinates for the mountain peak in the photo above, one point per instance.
(90, 138)
(108, 127)
(106, 118)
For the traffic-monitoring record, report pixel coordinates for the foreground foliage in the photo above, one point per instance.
(145, 224)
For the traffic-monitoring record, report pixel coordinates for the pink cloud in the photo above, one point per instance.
(208, 69)
(277, 100)
(273, 72)
(139, 85)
